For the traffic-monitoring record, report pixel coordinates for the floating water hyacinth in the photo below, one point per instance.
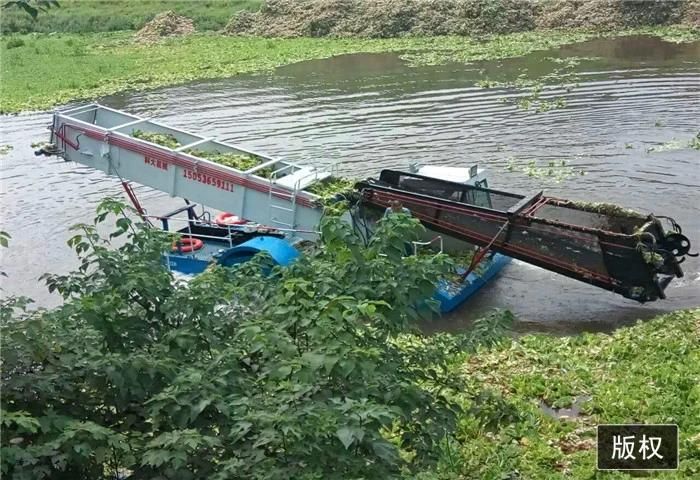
(557, 170)
(676, 144)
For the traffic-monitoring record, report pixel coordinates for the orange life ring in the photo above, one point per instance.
(225, 219)
(187, 245)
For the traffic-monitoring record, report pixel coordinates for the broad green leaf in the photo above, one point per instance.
(346, 436)
(314, 360)
(199, 408)
(386, 451)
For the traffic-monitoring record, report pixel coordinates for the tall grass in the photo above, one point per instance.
(85, 16)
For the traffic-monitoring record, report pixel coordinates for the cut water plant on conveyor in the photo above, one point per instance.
(163, 139)
(609, 209)
(239, 161)
(328, 191)
(330, 187)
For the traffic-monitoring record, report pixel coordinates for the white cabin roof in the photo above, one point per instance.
(451, 174)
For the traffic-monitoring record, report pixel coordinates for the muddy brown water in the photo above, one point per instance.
(368, 112)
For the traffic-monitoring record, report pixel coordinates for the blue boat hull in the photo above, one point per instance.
(451, 295)
(194, 263)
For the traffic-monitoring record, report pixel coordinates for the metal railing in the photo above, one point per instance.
(422, 244)
(291, 197)
(246, 228)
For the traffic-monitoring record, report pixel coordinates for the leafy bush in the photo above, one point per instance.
(307, 372)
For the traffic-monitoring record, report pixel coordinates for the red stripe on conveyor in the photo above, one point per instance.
(60, 133)
(500, 217)
(535, 206)
(183, 162)
(432, 204)
(486, 239)
(523, 251)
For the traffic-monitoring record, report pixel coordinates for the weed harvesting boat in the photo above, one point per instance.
(277, 205)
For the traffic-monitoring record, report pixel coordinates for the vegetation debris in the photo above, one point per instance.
(329, 187)
(609, 209)
(164, 139)
(397, 18)
(563, 77)
(239, 161)
(608, 14)
(676, 144)
(166, 24)
(556, 169)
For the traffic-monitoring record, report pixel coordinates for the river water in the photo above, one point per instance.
(363, 113)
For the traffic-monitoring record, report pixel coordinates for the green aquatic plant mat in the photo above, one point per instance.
(163, 139)
(606, 209)
(328, 188)
(239, 161)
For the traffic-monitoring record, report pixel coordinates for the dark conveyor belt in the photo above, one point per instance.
(600, 244)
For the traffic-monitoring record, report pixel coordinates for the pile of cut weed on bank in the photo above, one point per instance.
(397, 18)
(166, 24)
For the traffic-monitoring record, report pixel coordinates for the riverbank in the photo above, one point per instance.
(42, 71)
(546, 394)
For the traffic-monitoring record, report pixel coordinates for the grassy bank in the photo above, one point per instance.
(42, 71)
(648, 373)
(80, 16)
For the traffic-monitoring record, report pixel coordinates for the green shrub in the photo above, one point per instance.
(307, 372)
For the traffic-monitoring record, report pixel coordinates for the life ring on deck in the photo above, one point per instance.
(187, 245)
(225, 219)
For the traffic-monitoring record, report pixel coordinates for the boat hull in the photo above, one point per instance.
(451, 296)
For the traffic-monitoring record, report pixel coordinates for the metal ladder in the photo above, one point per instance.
(291, 212)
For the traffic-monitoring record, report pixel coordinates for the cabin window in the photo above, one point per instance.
(480, 198)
